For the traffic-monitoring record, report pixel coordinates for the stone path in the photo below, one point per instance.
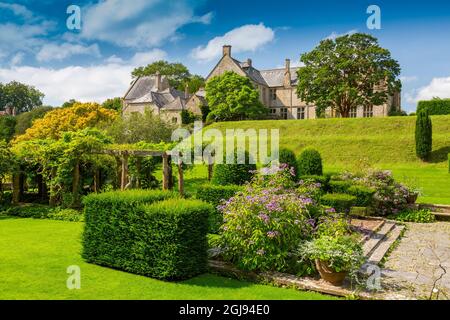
(419, 267)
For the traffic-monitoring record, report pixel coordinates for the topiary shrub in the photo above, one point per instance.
(171, 239)
(424, 135)
(435, 106)
(215, 195)
(237, 174)
(364, 195)
(339, 186)
(111, 221)
(309, 162)
(287, 156)
(340, 202)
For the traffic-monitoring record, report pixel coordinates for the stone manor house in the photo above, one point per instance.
(277, 89)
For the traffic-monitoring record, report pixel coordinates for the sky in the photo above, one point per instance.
(94, 63)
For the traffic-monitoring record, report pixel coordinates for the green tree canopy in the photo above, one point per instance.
(347, 72)
(233, 97)
(7, 128)
(177, 73)
(6, 163)
(113, 104)
(20, 96)
(138, 127)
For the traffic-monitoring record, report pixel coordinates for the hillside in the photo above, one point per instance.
(343, 142)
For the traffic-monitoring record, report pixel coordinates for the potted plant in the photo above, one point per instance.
(334, 257)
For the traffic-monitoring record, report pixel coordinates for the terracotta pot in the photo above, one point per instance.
(329, 275)
(412, 198)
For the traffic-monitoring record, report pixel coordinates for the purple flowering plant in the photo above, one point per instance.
(264, 223)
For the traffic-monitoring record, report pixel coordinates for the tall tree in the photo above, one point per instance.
(177, 73)
(233, 97)
(20, 96)
(113, 104)
(348, 72)
(424, 135)
(7, 127)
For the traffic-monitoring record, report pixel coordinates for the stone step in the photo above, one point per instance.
(377, 237)
(438, 208)
(380, 251)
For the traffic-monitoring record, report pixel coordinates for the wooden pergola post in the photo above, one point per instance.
(180, 176)
(52, 200)
(166, 171)
(124, 177)
(138, 172)
(16, 188)
(76, 184)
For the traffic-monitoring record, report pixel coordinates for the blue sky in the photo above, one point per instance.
(95, 62)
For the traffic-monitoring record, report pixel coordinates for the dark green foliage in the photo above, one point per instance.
(187, 117)
(340, 202)
(215, 195)
(435, 107)
(309, 162)
(287, 156)
(135, 232)
(25, 120)
(424, 135)
(5, 200)
(339, 186)
(36, 211)
(411, 215)
(70, 215)
(364, 195)
(7, 128)
(113, 104)
(449, 163)
(361, 211)
(237, 174)
(20, 96)
(205, 112)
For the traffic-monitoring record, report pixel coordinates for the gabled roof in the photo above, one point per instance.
(275, 77)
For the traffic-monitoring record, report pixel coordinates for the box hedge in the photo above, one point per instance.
(340, 202)
(234, 174)
(214, 195)
(435, 106)
(339, 186)
(309, 162)
(323, 180)
(364, 195)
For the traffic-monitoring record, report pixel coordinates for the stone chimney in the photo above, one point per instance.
(227, 50)
(186, 91)
(158, 81)
(287, 73)
(249, 63)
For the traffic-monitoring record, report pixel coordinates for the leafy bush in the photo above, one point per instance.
(342, 253)
(215, 195)
(237, 174)
(309, 162)
(112, 221)
(36, 211)
(323, 180)
(5, 200)
(340, 202)
(333, 225)
(171, 239)
(361, 211)
(424, 135)
(364, 195)
(287, 156)
(435, 106)
(411, 215)
(66, 215)
(339, 186)
(213, 241)
(263, 224)
(311, 188)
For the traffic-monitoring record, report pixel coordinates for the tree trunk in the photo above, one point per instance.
(166, 172)
(180, 178)
(124, 179)
(96, 180)
(16, 188)
(76, 184)
(52, 200)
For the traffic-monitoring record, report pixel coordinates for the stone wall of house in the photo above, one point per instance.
(130, 108)
(171, 116)
(193, 105)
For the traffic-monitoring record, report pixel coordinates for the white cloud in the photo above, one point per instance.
(245, 38)
(142, 23)
(144, 58)
(335, 35)
(52, 51)
(439, 87)
(17, 9)
(92, 83)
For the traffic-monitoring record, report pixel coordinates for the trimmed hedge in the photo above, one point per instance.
(364, 195)
(424, 135)
(338, 201)
(233, 174)
(435, 106)
(112, 221)
(309, 162)
(214, 195)
(35, 211)
(339, 186)
(172, 242)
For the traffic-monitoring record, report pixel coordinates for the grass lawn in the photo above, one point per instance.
(35, 254)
